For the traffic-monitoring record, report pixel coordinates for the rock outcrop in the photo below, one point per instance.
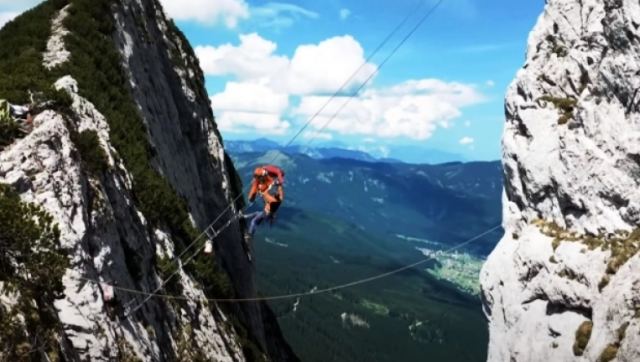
(563, 283)
(109, 240)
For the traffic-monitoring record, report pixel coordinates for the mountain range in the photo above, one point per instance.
(387, 153)
(447, 202)
(345, 218)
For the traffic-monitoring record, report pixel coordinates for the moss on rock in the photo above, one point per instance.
(583, 334)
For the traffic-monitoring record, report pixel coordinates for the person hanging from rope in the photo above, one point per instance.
(267, 182)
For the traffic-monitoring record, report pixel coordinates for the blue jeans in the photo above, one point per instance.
(256, 219)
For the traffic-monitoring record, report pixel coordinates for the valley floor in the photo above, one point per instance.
(457, 267)
(422, 314)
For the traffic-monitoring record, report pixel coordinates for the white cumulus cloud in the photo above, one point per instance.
(248, 96)
(324, 67)
(413, 109)
(265, 82)
(455, 93)
(253, 58)
(465, 141)
(314, 68)
(249, 106)
(245, 122)
(208, 12)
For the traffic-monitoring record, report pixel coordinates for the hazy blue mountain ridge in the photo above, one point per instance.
(391, 154)
(445, 203)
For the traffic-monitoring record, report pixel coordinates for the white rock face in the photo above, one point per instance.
(571, 157)
(48, 174)
(189, 152)
(56, 53)
(45, 168)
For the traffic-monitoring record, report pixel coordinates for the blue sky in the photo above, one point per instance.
(271, 65)
(466, 43)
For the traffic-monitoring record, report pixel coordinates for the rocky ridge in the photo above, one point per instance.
(563, 282)
(108, 239)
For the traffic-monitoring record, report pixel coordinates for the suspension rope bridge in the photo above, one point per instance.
(301, 294)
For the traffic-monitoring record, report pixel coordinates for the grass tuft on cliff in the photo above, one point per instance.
(566, 106)
(622, 245)
(583, 334)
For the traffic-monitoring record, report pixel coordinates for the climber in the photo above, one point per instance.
(268, 182)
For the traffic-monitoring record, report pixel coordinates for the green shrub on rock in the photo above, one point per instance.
(94, 159)
(32, 264)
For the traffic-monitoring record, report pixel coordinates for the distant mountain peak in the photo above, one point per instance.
(407, 154)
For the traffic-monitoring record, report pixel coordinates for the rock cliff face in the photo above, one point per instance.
(563, 283)
(109, 240)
